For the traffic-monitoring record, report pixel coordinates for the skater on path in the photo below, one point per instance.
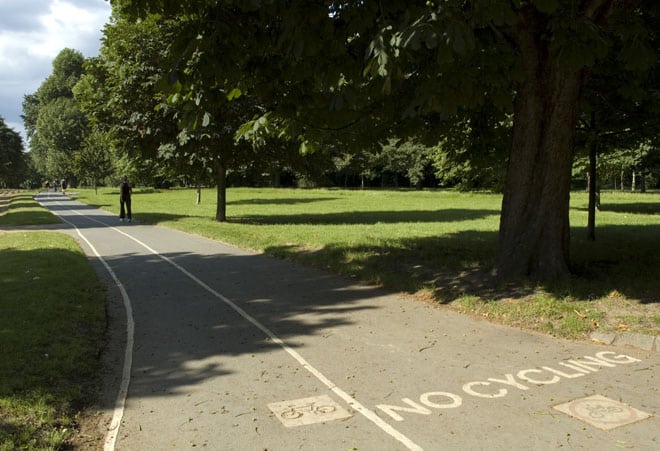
(125, 191)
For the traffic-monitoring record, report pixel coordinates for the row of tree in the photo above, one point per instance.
(15, 167)
(494, 93)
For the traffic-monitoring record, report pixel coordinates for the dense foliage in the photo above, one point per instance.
(471, 75)
(54, 124)
(490, 94)
(14, 166)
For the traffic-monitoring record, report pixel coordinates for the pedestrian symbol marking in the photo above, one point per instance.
(602, 412)
(301, 412)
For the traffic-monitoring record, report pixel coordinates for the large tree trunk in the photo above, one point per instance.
(534, 226)
(221, 183)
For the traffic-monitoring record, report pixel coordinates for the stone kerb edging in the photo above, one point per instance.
(641, 341)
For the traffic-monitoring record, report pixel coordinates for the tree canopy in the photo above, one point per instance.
(13, 161)
(353, 71)
(55, 126)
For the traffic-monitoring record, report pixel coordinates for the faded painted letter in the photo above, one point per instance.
(523, 375)
(621, 358)
(467, 388)
(414, 408)
(456, 400)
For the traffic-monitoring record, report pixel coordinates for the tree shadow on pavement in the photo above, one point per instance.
(185, 332)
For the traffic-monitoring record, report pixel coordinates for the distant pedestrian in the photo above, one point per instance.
(125, 191)
(47, 184)
(55, 183)
(63, 185)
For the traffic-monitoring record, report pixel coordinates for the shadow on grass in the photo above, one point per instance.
(22, 204)
(626, 259)
(282, 201)
(448, 266)
(644, 208)
(25, 210)
(372, 217)
(157, 218)
(33, 217)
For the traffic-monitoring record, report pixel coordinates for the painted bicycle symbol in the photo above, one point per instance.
(600, 411)
(292, 412)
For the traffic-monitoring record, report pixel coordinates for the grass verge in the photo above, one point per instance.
(51, 332)
(21, 209)
(437, 245)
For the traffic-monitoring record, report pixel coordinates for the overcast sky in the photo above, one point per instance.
(32, 33)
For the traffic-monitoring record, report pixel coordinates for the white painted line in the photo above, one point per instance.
(120, 401)
(352, 402)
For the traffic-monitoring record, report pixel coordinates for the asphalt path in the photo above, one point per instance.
(225, 349)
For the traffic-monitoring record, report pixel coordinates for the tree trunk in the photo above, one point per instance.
(588, 180)
(221, 182)
(534, 225)
(633, 183)
(591, 217)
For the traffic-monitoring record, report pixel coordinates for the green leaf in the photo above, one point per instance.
(306, 147)
(234, 94)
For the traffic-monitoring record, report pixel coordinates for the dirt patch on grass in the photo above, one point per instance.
(626, 315)
(564, 310)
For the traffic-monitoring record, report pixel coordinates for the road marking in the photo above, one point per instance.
(301, 412)
(583, 366)
(120, 401)
(601, 412)
(352, 402)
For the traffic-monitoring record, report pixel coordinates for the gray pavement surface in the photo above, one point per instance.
(232, 350)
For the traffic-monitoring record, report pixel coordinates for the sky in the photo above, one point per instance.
(32, 34)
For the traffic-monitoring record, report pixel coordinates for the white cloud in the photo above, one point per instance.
(67, 25)
(32, 34)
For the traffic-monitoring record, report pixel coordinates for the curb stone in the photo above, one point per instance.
(641, 341)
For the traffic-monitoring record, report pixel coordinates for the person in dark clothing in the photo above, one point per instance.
(63, 185)
(125, 191)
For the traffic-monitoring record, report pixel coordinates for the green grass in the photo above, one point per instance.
(51, 331)
(24, 210)
(373, 235)
(435, 244)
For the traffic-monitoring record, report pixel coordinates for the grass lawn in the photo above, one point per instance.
(20, 209)
(438, 245)
(52, 324)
